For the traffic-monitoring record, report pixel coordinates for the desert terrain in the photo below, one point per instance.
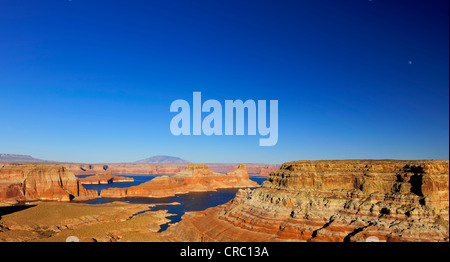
(312, 201)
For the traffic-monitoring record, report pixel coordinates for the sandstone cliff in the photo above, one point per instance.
(195, 177)
(343, 200)
(40, 182)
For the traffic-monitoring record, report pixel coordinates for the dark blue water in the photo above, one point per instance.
(194, 201)
(138, 179)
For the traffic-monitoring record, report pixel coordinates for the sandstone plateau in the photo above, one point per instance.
(40, 182)
(195, 177)
(55, 221)
(105, 178)
(332, 201)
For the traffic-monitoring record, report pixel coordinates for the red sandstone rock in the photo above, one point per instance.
(41, 182)
(195, 177)
(345, 200)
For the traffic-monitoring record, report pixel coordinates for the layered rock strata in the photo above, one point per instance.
(195, 177)
(332, 201)
(41, 182)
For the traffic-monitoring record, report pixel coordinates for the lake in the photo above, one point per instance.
(194, 201)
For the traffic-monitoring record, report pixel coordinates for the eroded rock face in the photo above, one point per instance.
(346, 200)
(41, 182)
(195, 177)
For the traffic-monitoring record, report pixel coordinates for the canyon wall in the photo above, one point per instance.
(40, 182)
(332, 201)
(195, 177)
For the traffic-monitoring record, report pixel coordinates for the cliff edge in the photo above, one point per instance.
(332, 201)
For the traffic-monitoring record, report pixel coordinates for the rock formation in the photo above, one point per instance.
(105, 178)
(41, 182)
(195, 177)
(342, 200)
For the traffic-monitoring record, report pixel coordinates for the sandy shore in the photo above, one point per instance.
(56, 221)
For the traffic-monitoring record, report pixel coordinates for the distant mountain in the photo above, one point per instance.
(21, 159)
(162, 160)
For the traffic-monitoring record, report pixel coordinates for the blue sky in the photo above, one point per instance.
(92, 81)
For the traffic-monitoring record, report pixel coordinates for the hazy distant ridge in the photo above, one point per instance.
(162, 160)
(27, 159)
(21, 159)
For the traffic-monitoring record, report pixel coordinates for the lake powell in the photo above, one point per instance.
(193, 201)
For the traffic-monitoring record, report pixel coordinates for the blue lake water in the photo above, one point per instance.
(138, 179)
(194, 201)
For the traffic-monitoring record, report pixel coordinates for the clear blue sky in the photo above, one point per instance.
(92, 81)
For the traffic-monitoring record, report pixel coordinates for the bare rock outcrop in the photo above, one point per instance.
(41, 182)
(332, 201)
(195, 177)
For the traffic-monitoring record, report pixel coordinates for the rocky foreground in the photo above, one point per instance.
(56, 221)
(342, 200)
(194, 178)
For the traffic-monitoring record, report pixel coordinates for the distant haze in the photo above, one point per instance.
(21, 159)
(162, 160)
(27, 159)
